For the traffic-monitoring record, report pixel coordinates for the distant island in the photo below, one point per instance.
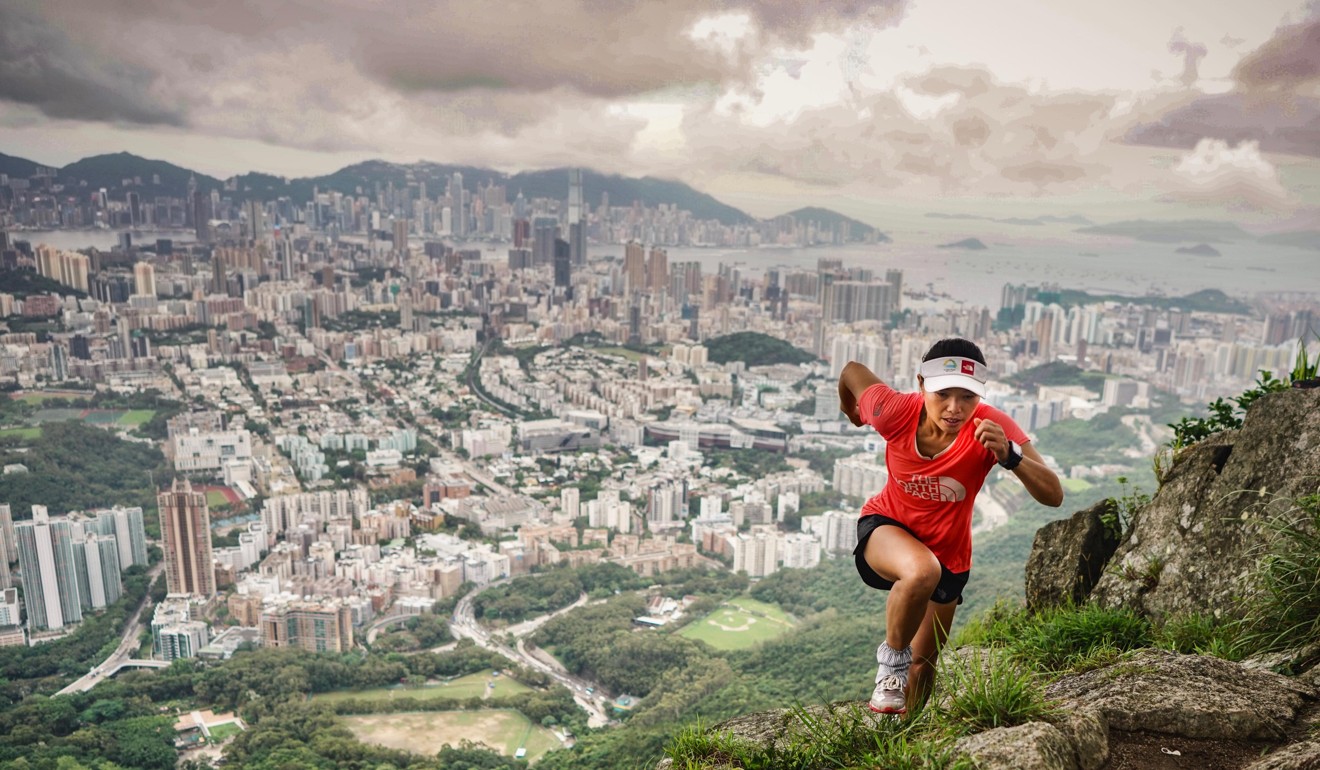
(1301, 239)
(1181, 231)
(972, 244)
(1200, 250)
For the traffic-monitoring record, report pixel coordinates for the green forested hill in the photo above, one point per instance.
(755, 349)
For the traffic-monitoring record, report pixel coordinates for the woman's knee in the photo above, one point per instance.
(923, 572)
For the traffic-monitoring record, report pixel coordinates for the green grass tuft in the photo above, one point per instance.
(990, 689)
(1285, 615)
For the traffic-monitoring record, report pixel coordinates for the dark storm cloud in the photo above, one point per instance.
(596, 48)
(1279, 124)
(1288, 62)
(42, 67)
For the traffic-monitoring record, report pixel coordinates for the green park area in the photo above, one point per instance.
(27, 434)
(425, 732)
(220, 733)
(738, 624)
(1075, 486)
(460, 688)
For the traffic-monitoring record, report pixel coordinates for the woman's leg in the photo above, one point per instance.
(926, 650)
(897, 556)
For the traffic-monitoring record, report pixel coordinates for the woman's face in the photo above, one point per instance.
(949, 410)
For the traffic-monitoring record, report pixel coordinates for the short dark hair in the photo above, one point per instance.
(955, 346)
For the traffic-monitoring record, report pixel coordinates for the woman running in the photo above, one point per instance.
(914, 538)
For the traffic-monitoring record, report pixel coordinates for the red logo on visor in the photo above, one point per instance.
(968, 368)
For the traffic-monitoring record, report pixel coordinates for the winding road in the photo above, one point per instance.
(464, 625)
(123, 654)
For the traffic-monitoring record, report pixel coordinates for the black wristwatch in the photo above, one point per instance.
(1014, 457)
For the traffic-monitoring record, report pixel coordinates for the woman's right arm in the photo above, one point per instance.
(853, 382)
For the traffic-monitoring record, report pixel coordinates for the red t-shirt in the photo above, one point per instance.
(932, 497)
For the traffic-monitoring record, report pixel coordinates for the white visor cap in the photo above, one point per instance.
(954, 372)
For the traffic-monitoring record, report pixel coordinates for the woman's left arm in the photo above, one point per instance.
(1035, 475)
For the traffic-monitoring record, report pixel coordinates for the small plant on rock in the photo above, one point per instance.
(989, 689)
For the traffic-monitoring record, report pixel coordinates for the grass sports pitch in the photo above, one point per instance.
(738, 624)
(425, 732)
(470, 686)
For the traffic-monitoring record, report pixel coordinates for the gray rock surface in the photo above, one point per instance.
(1298, 756)
(1193, 696)
(1194, 548)
(1033, 746)
(1087, 731)
(1068, 557)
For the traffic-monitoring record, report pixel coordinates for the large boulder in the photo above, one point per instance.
(1068, 556)
(1195, 547)
(1033, 746)
(1193, 696)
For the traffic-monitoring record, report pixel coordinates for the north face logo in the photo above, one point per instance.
(941, 488)
(968, 367)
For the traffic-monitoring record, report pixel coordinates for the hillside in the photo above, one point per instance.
(111, 171)
(14, 166)
(120, 171)
(1188, 620)
(825, 219)
(755, 349)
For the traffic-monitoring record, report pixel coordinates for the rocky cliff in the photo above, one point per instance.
(1194, 550)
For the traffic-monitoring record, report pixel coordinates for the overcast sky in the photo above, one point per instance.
(1171, 106)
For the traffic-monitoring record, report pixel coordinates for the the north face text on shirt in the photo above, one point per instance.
(942, 488)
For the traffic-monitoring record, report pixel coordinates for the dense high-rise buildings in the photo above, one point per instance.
(96, 564)
(185, 527)
(50, 578)
(126, 526)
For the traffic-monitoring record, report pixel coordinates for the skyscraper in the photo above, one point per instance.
(563, 264)
(8, 548)
(657, 270)
(126, 526)
(546, 231)
(634, 266)
(50, 579)
(185, 526)
(577, 218)
(144, 279)
(96, 564)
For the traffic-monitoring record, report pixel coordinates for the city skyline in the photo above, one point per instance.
(1172, 112)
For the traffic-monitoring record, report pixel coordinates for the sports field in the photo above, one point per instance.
(128, 418)
(1075, 485)
(470, 686)
(27, 434)
(425, 732)
(738, 624)
(220, 732)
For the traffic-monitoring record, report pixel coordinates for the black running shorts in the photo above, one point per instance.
(951, 584)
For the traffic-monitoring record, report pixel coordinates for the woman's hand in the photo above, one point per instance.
(1035, 475)
(992, 437)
